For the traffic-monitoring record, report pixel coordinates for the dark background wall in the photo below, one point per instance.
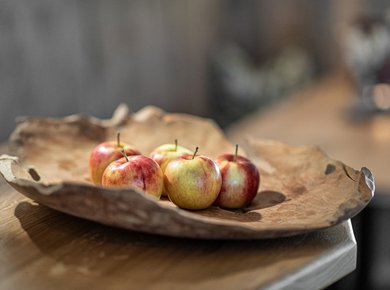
(64, 57)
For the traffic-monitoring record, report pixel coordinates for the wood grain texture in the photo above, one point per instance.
(320, 115)
(301, 188)
(41, 248)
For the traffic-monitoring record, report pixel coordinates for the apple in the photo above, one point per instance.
(105, 153)
(137, 171)
(240, 181)
(165, 153)
(192, 182)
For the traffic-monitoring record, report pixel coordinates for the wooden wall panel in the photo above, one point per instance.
(63, 57)
(69, 56)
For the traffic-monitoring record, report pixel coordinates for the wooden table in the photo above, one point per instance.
(320, 115)
(43, 249)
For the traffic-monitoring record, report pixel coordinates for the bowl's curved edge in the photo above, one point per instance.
(186, 224)
(365, 183)
(131, 210)
(365, 190)
(96, 126)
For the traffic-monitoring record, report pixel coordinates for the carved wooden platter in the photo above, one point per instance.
(301, 189)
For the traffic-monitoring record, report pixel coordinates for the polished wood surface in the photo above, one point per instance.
(43, 249)
(321, 115)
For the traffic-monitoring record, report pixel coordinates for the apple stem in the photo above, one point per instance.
(196, 151)
(175, 145)
(118, 139)
(235, 155)
(125, 155)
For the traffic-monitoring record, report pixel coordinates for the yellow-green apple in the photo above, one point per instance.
(192, 182)
(137, 171)
(163, 154)
(105, 153)
(240, 181)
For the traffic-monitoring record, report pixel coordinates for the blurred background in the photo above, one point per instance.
(233, 61)
(64, 57)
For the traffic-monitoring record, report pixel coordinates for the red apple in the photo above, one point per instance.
(137, 171)
(192, 182)
(240, 181)
(105, 153)
(165, 153)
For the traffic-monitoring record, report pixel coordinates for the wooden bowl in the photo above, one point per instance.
(301, 190)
